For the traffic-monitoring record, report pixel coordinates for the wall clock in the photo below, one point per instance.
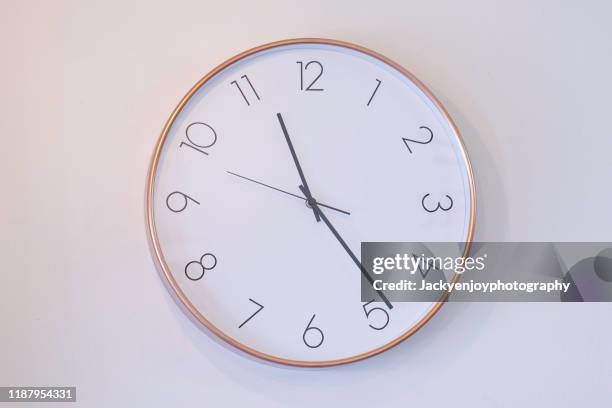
(270, 173)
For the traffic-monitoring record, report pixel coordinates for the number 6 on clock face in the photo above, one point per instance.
(269, 175)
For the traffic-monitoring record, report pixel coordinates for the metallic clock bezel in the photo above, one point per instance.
(152, 232)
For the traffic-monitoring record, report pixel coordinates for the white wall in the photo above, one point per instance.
(85, 89)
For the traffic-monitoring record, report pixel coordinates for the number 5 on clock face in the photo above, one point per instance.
(270, 174)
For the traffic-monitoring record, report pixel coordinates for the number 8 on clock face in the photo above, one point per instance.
(272, 171)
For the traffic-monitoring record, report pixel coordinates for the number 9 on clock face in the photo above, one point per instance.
(272, 171)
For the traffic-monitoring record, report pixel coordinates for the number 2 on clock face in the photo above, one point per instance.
(273, 171)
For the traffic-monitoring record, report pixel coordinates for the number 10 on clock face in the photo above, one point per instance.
(273, 170)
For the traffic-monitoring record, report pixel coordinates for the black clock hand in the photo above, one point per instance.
(296, 161)
(365, 273)
(288, 193)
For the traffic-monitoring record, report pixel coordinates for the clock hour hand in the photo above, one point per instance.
(287, 192)
(297, 162)
(365, 273)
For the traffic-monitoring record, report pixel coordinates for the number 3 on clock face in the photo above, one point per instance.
(269, 175)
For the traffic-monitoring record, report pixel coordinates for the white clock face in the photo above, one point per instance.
(238, 241)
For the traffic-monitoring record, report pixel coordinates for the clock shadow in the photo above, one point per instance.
(492, 219)
(422, 356)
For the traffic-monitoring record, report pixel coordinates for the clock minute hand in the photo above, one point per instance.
(297, 163)
(365, 273)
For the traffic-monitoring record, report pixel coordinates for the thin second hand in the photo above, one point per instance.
(286, 192)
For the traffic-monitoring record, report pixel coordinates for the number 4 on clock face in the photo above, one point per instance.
(272, 172)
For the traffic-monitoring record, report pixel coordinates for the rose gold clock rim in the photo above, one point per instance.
(152, 232)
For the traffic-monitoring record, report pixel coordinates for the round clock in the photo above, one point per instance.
(269, 175)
